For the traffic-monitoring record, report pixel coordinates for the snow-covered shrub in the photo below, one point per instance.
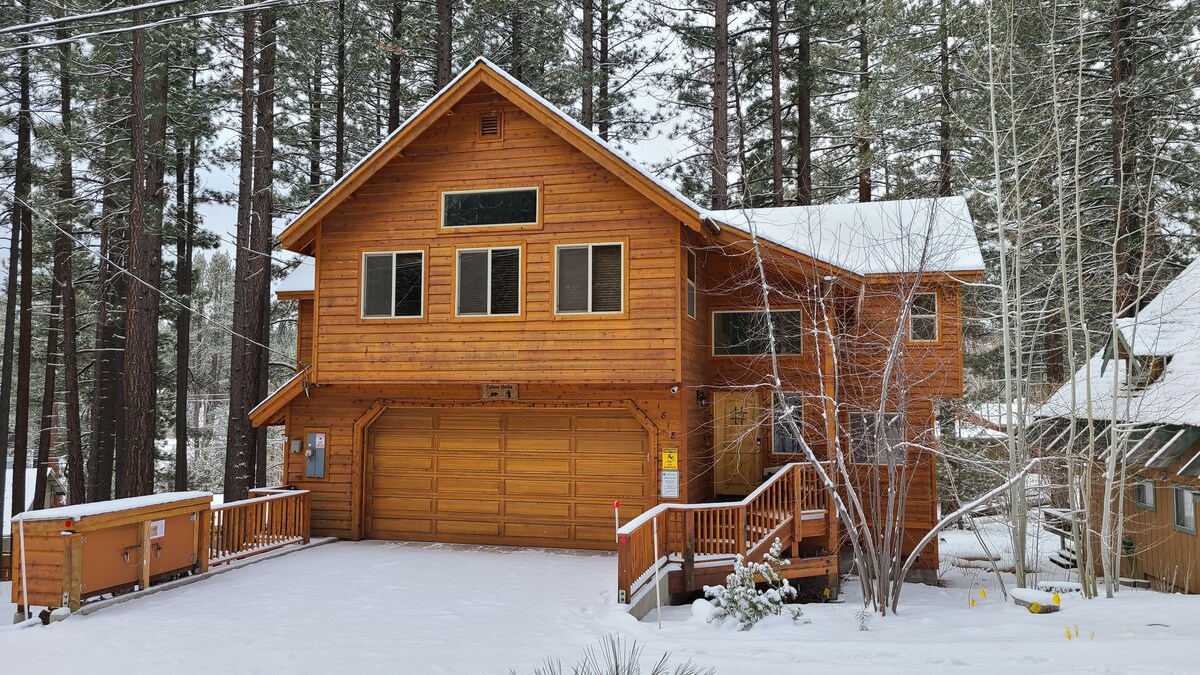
(618, 657)
(739, 599)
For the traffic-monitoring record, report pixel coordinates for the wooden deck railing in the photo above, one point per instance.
(270, 518)
(721, 530)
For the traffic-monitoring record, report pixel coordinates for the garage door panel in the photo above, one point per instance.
(470, 463)
(381, 484)
(538, 509)
(480, 506)
(547, 488)
(544, 477)
(558, 466)
(471, 527)
(468, 485)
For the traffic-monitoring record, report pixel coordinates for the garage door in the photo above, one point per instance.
(521, 477)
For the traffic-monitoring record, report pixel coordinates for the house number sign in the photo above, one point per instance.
(498, 392)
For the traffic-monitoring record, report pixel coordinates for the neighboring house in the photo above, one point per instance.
(1148, 381)
(508, 326)
(55, 495)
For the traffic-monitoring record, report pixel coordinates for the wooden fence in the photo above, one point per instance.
(269, 519)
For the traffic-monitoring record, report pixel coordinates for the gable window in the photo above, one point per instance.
(745, 333)
(489, 282)
(589, 278)
(783, 441)
(392, 284)
(488, 208)
(923, 318)
(876, 438)
(691, 284)
(1185, 509)
(1143, 494)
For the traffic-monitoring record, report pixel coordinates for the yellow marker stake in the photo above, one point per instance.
(826, 592)
(972, 603)
(982, 592)
(1056, 598)
(1035, 608)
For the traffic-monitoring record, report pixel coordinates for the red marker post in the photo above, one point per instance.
(617, 520)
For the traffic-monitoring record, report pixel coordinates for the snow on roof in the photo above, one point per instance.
(929, 235)
(77, 511)
(1168, 326)
(30, 493)
(301, 278)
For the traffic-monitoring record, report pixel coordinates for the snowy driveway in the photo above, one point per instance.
(374, 607)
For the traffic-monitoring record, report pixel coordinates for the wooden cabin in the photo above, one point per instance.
(508, 325)
(1148, 377)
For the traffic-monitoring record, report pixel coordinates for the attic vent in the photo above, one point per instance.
(489, 126)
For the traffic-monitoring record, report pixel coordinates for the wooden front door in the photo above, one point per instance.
(737, 436)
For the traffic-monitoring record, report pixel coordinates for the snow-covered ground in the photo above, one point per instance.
(369, 607)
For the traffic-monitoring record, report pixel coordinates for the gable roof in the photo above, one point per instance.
(890, 237)
(1168, 326)
(297, 235)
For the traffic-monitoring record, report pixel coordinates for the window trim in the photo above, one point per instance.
(691, 299)
(362, 285)
(1152, 503)
(712, 332)
(850, 429)
(803, 395)
(1191, 500)
(441, 207)
(937, 317)
(520, 281)
(624, 278)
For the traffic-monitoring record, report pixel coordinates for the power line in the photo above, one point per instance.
(50, 23)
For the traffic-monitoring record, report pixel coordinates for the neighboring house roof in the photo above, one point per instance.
(1169, 326)
(934, 235)
(302, 278)
(30, 493)
(927, 235)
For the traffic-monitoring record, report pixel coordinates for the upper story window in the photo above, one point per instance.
(923, 318)
(746, 333)
(392, 284)
(489, 282)
(490, 208)
(589, 278)
(783, 441)
(691, 284)
(876, 438)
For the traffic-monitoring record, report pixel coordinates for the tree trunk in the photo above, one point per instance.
(339, 113)
(1124, 163)
(944, 187)
(10, 305)
(135, 473)
(240, 438)
(49, 380)
(185, 185)
(314, 126)
(588, 38)
(395, 60)
(864, 87)
(776, 108)
(605, 106)
(445, 42)
(260, 290)
(23, 218)
(804, 188)
(720, 107)
(516, 30)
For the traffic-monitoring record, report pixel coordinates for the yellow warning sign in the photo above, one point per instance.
(670, 459)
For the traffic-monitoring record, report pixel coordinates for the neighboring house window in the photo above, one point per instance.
(590, 278)
(745, 333)
(874, 438)
(392, 284)
(1143, 494)
(1185, 509)
(923, 318)
(1146, 370)
(487, 208)
(691, 284)
(489, 282)
(783, 441)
